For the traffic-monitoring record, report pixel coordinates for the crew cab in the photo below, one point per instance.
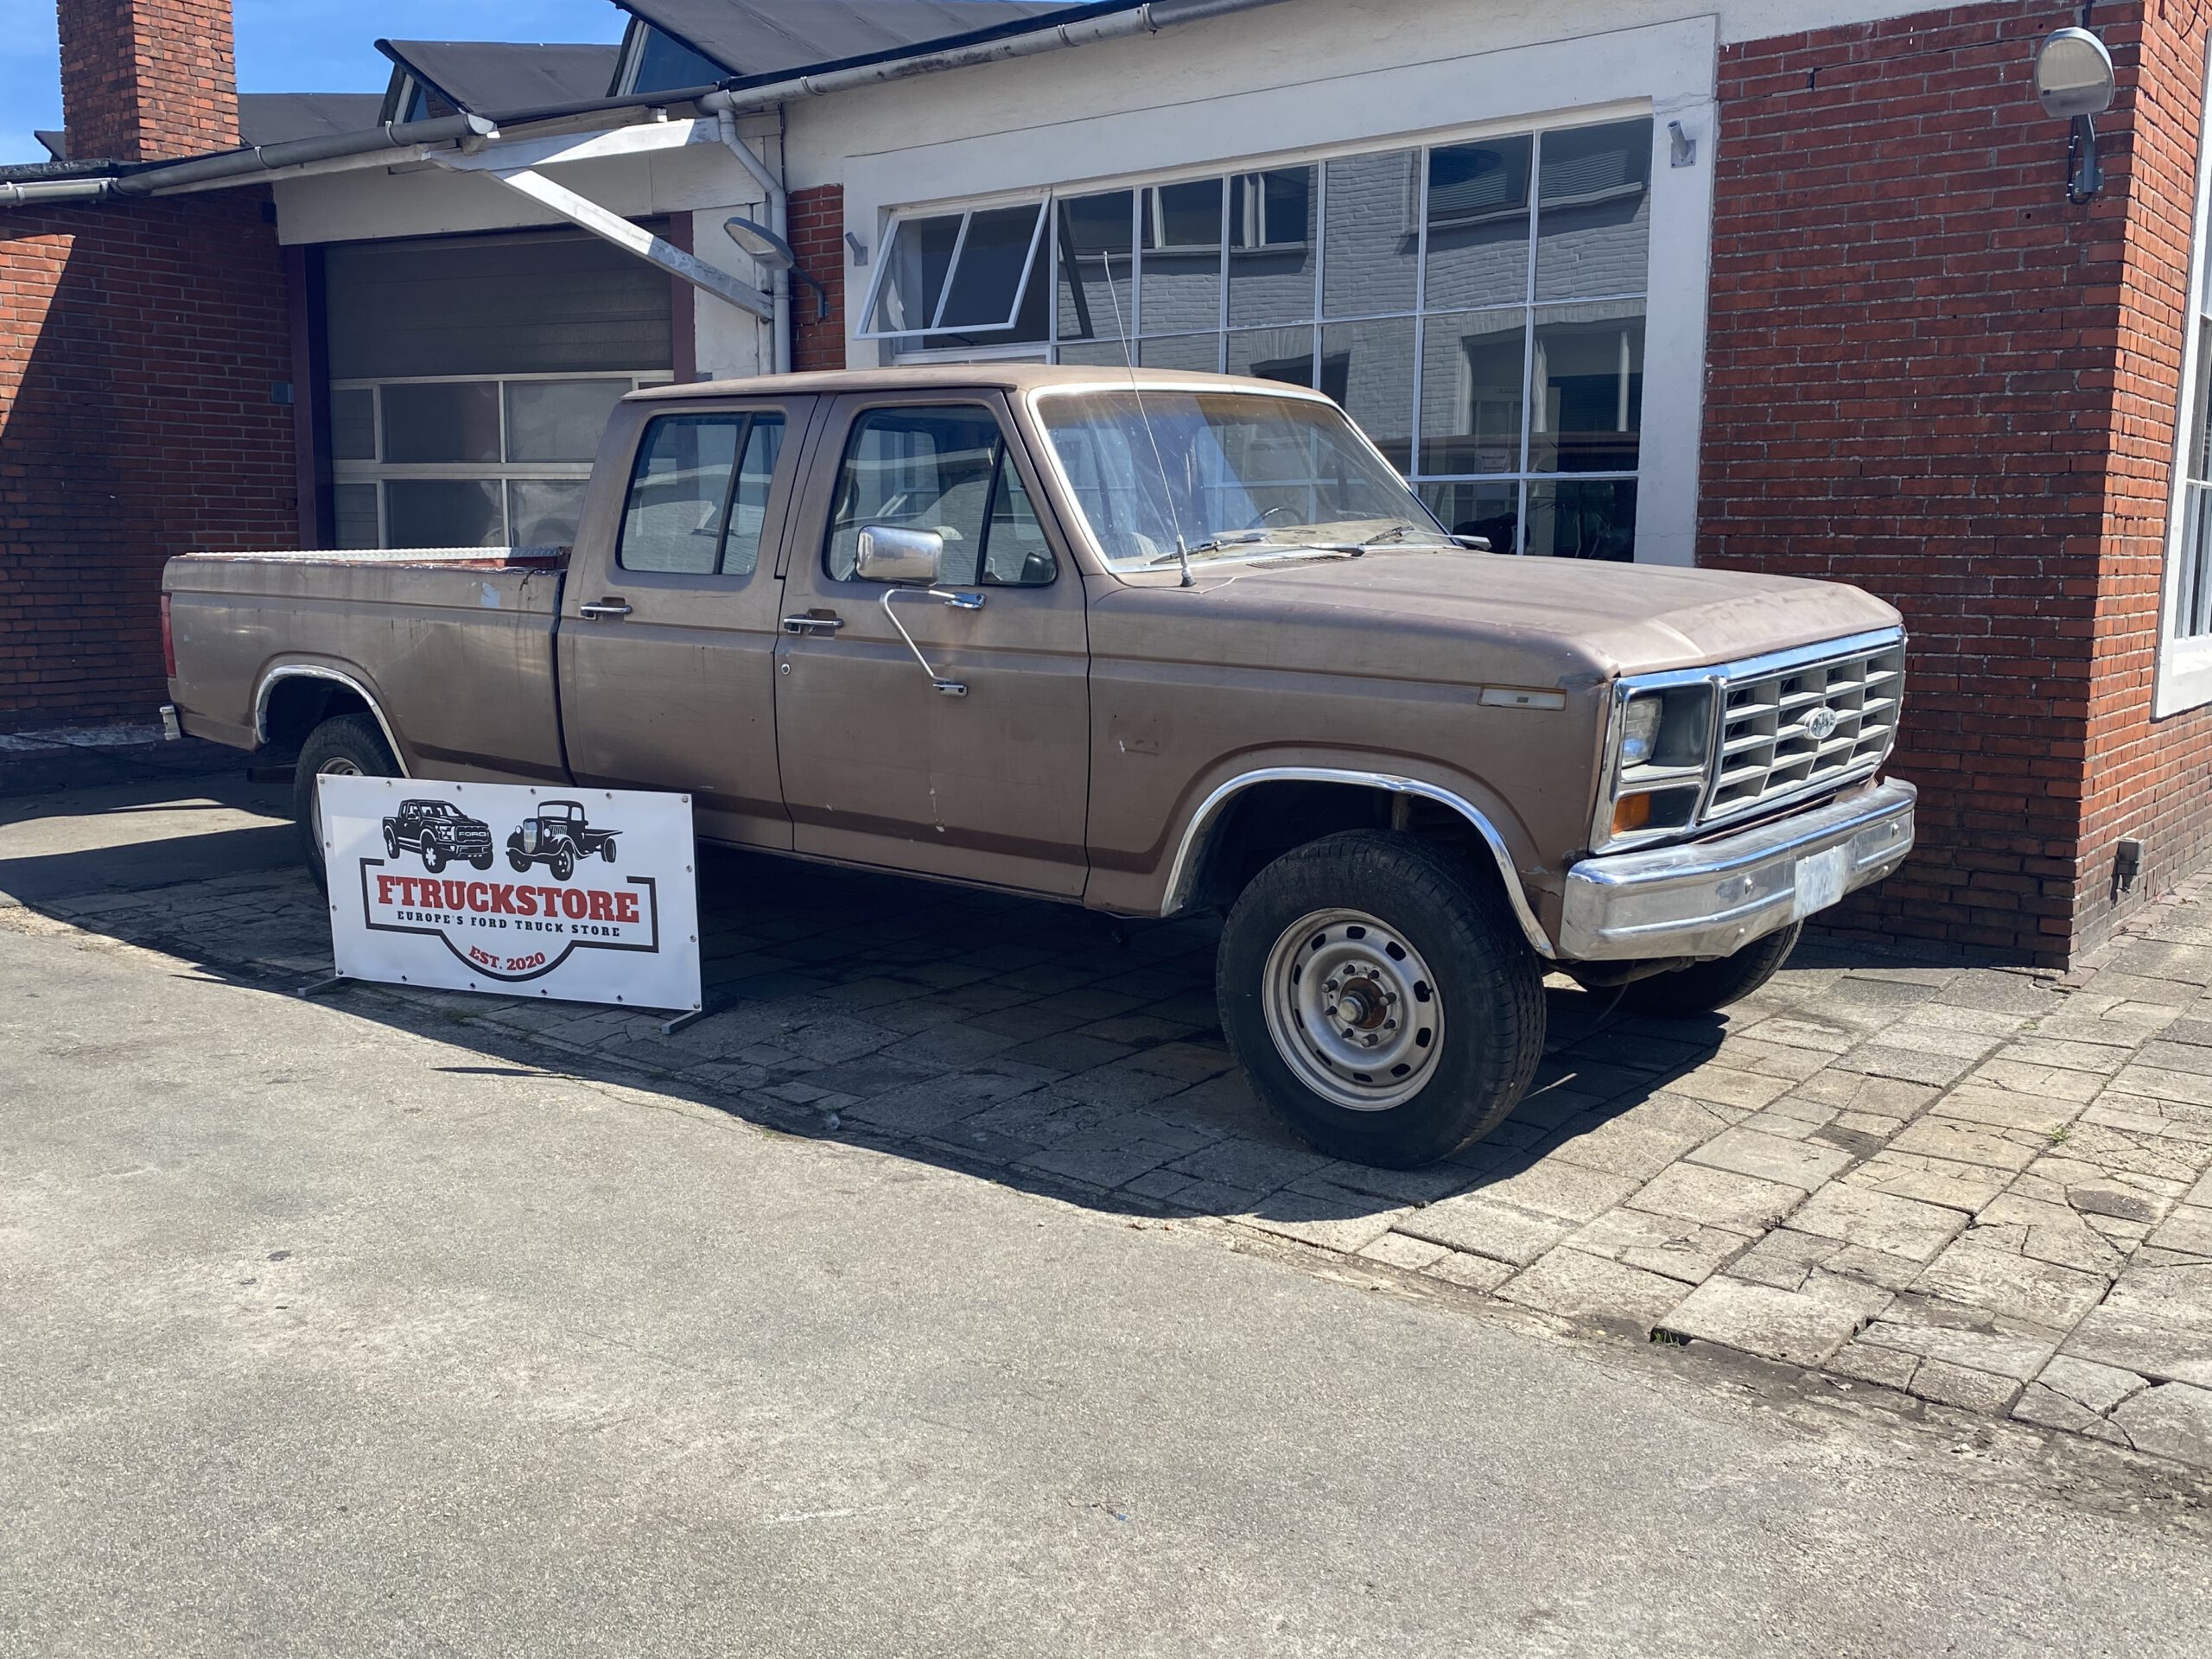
(1151, 643)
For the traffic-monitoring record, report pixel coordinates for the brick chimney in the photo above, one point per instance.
(145, 80)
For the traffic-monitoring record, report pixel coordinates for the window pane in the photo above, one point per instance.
(544, 510)
(1477, 224)
(444, 512)
(1588, 389)
(1104, 353)
(2198, 464)
(1181, 282)
(1591, 519)
(457, 420)
(667, 65)
(673, 519)
(1471, 402)
(1015, 553)
(1368, 231)
(355, 507)
(1200, 351)
(1271, 224)
(559, 420)
(986, 284)
(1368, 368)
(353, 424)
(1593, 211)
(749, 506)
(1492, 511)
(1096, 300)
(921, 254)
(918, 469)
(1284, 354)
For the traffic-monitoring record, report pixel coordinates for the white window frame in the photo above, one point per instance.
(2184, 673)
(938, 328)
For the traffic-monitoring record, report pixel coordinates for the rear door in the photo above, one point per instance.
(668, 640)
(879, 766)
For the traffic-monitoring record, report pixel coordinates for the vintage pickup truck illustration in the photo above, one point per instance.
(1153, 644)
(557, 836)
(441, 833)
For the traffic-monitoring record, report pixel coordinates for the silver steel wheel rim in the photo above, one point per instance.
(1353, 1009)
(337, 766)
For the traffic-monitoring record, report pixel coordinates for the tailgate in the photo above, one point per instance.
(455, 648)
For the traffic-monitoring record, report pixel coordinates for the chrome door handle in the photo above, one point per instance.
(813, 623)
(606, 610)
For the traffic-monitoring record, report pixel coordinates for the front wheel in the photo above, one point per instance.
(517, 862)
(1708, 987)
(434, 858)
(1381, 997)
(564, 864)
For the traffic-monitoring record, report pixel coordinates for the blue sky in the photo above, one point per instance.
(290, 46)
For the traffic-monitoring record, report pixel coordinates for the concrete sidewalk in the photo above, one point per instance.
(1976, 1186)
(329, 1338)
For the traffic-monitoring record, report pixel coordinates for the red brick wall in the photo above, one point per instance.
(817, 236)
(2147, 779)
(145, 79)
(1911, 387)
(138, 346)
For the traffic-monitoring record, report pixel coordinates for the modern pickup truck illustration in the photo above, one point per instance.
(558, 836)
(441, 832)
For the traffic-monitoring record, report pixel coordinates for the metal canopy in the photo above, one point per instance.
(279, 117)
(776, 37)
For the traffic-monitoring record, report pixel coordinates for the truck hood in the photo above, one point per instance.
(1615, 619)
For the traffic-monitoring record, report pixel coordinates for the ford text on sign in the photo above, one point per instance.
(584, 895)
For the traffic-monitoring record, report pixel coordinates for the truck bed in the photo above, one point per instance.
(455, 645)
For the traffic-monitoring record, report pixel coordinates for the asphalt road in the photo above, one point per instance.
(319, 1336)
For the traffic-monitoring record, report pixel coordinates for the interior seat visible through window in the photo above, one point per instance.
(944, 469)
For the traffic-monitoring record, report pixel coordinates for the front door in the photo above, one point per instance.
(880, 765)
(668, 655)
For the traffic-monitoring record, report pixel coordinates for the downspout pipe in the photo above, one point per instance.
(779, 201)
(264, 158)
(1148, 19)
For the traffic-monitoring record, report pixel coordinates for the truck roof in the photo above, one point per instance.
(1005, 376)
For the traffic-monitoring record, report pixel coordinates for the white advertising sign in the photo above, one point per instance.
(586, 896)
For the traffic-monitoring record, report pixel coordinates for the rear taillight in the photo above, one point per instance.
(168, 641)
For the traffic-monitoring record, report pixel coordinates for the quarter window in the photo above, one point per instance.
(699, 493)
(946, 470)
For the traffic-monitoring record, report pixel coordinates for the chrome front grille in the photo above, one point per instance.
(1791, 731)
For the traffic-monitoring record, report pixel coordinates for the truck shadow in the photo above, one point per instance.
(1036, 1044)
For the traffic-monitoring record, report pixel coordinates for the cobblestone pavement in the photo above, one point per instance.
(1979, 1186)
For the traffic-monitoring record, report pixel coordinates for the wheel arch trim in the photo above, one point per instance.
(279, 672)
(1182, 873)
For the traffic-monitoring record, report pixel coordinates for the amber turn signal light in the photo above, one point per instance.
(1632, 812)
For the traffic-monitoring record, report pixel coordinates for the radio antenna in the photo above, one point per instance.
(1129, 362)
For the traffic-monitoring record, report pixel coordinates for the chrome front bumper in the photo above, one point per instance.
(1712, 898)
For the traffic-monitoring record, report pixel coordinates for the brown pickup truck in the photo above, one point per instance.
(1153, 645)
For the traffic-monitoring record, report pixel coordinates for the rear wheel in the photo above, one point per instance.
(482, 860)
(348, 746)
(1705, 987)
(1380, 996)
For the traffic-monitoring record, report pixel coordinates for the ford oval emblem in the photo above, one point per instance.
(1820, 724)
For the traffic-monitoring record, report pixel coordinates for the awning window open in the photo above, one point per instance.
(956, 273)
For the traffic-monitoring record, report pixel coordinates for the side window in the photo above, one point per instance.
(943, 469)
(699, 494)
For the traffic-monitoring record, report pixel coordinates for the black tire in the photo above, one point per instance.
(434, 858)
(391, 843)
(1706, 987)
(482, 860)
(1488, 987)
(517, 862)
(564, 864)
(607, 851)
(351, 742)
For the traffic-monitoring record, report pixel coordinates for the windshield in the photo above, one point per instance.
(1232, 472)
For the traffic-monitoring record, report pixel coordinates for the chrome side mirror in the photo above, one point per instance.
(887, 553)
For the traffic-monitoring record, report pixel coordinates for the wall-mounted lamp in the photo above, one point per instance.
(772, 253)
(2074, 80)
